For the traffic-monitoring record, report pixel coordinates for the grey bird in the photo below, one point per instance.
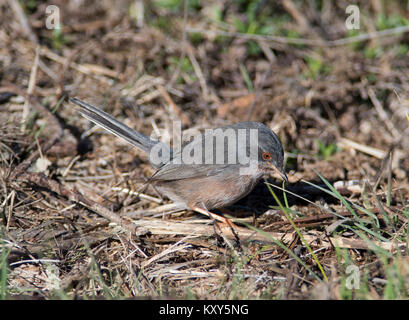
(214, 170)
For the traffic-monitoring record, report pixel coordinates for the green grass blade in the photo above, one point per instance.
(3, 271)
(59, 103)
(284, 247)
(246, 78)
(359, 223)
(338, 195)
(299, 233)
(285, 196)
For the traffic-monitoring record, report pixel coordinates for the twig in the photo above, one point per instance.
(184, 44)
(175, 108)
(64, 174)
(41, 180)
(98, 72)
(144, 83)
(165, 227)
(353, 186)
(163, 209)
(199, 73)
(148, 97)
(318, 219)
(346, 143)
(267, 52)
(292, 9)
(21, 17)
(175, 247)
(36, 261)
(30, 90)
(139, 13)
(138, 194)
(13, 195)
(382, 114)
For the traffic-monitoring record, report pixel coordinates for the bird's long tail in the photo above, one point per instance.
(117, 128)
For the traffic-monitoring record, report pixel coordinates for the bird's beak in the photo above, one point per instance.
(280, 172)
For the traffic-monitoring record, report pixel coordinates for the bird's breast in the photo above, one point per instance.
(210, 192)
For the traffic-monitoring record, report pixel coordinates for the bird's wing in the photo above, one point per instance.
(171, 171)
(198, 159)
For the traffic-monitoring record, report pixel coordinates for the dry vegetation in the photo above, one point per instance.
(69, 228)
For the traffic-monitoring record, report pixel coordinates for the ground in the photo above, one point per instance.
(337, 98)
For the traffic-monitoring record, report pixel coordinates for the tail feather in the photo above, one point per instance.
(112, 125)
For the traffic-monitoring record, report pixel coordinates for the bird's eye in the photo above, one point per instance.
(267, 156)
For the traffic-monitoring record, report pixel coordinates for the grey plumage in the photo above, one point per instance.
(117, 128)
(206, 182)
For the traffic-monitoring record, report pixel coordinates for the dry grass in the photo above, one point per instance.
(340, 111)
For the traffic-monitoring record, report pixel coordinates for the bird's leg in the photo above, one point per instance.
(226, 225)
(209, 214)
(214, 216)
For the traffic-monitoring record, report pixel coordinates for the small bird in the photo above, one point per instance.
(216, 175)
